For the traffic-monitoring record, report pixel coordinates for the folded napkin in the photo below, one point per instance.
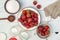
(53, 10)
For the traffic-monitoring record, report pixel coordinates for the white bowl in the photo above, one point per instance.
(38, 18)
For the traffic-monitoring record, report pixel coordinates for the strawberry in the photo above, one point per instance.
(23, 17)
(12, 39)
(44, 30)
(20, 20)
(35, 2)
(42, 33)
(46, 27)
(38, 6)
(29, 19)
(24, 12)
(24, 22)
(34, 15)
(31, 24)
(35, 23)
(39, 29)
(27, 25)
(47, 33)
(35, 19)
(28, 15)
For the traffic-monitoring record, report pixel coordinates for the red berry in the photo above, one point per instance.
(35, 19)
(12, 39)
(26, 25)
(23, 17)
(44, 30)
(24, 12)
(46, 27)
(42, 33)
(31, 12)
(39, 30)
(35, 23)
(31, 24)
(34, 15)
(20, 20)
(47, 33)
(29, 19)
(38, 6)
(35, 2)
(24, 22)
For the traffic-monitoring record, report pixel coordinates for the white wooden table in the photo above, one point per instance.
(5, 25)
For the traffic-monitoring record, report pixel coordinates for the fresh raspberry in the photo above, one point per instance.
(29, 19)
(31, 24)
(35, 2)
(44, 30)
(12, 39)
(46, 33)
(39, 29)
(24, 12)
(42, 33)
(20, 20)
(23, 17)
(46, 27)
(35, 23)
(38, 6)
(35, 19)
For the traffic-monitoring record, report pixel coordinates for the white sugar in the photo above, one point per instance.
(12, 6)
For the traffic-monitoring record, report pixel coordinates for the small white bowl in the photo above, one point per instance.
(12, 6)
(3, 36)
(38, 18)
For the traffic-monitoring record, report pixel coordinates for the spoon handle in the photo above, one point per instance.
(3, 18)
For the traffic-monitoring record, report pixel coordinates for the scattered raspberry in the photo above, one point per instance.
(38, 6)
(35, 2)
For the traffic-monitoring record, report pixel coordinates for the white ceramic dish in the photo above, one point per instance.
(24, 35)
(15, 30)
(34, 11)
(44, 37)
(12, 6)
(3, 36)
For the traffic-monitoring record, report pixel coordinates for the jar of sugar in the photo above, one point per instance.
(12, 6)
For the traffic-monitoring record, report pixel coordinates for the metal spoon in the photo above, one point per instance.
(10, 18)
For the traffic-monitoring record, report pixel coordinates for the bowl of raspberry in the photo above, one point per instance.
(29, 18)
(43, 31)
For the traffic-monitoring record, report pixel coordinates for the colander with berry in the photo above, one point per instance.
(29, 18)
